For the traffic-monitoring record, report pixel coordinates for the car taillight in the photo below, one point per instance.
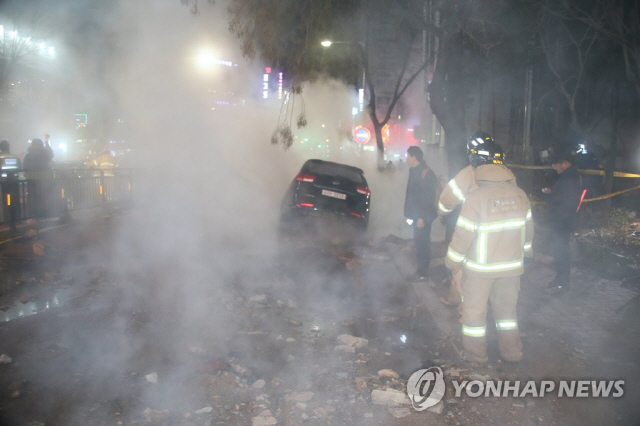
(356, 214)
(362, 190)
(305, 178)
(306, 205)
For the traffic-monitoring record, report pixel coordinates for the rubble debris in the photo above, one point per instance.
(25, 299)
(152, 377)
(389, 397)
(204, 410)
(299, 396)
(399, 412)
(481, 377)
(155, 416)
(438, 408)
(356, 342)
(5, 359)
(258, 384)
(345, 349)
(388, 374)
(214, 366)
(38, 249)
(239, 369)
(264, 419)
(196, 350)
(361, 383)
(259, 298)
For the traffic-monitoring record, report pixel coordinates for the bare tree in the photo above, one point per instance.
(566, 44)
(23, 32)
(287, 34)
(615, 20)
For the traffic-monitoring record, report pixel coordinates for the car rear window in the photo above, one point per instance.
(333, 169)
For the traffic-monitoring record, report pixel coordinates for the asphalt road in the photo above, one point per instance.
(195, 339)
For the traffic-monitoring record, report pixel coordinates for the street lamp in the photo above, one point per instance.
(327, 43)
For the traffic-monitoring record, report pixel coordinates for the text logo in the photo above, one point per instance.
(426, 388)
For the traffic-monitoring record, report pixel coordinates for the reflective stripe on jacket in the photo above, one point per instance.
(456, 190)
(495, 228)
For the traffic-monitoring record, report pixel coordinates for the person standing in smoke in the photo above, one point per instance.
(37, 164)
(5, 154)
(493, 234)
(563, 201)
(452, 197)
(420, 208)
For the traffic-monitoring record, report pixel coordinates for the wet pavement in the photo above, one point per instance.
(311, 338)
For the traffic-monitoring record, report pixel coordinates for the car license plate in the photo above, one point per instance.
(334, 194)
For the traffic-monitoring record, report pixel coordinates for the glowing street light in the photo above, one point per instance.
(205, 59)
(361, 92)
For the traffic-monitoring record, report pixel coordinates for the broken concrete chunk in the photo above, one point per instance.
(152, 377)
(356, 342)
(438, 408)
(258, 384)
(5, 359)
(264, 419)
(345, 349)
(389, 397)
(204, 410)
(388, 373)
(155, 416)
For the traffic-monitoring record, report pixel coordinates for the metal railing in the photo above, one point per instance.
(57, 193)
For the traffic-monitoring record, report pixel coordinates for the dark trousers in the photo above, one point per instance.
(560, 249)
(450, 221)
(422, 240)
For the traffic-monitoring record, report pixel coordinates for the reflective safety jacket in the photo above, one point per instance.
(457, 189)
(495, 229)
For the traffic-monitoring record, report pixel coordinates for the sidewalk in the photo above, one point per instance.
(29, 227)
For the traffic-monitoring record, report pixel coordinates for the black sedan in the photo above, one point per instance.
(324, 188)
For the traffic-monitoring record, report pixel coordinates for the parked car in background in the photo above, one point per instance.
(324, 189)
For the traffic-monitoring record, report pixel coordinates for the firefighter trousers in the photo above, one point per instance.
(502, 295)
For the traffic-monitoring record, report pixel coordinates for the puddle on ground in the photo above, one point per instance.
(20, 310)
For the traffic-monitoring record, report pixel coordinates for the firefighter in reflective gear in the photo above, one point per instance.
(493, 234)
(453, 195)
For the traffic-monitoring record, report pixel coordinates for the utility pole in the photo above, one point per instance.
(526, 122)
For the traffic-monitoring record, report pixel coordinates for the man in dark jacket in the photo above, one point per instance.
(37, 170)
(420, 207)
(563, 202)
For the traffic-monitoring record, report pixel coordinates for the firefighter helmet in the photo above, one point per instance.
(482, 149)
